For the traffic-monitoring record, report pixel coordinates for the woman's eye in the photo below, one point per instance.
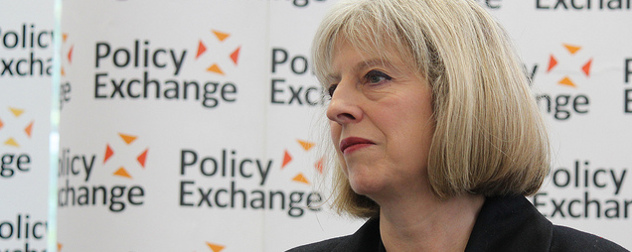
(331, 90)
(375, 77)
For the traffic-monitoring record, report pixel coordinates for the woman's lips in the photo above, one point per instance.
(351, 144)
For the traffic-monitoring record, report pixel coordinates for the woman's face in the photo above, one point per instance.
(381, 122)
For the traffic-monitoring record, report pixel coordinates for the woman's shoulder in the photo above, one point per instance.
(512, 223)
(569, 239)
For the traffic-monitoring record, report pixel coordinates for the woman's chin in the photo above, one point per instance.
(367, 187)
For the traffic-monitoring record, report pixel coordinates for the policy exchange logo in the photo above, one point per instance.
(76, 187)
(569, 65)
(219, 58)
(118, 154)
(126, 142)
(16, 114)
(67, 53)
(305, 148)
(215, 247)
(66, 60)
(297, 152)
(15, 129)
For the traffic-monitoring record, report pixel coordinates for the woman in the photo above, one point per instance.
(436, 134)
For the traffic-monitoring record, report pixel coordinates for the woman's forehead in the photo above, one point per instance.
(371, 54)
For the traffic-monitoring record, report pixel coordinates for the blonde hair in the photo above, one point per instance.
(489, 137)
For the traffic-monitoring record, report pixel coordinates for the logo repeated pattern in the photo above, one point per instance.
(215, 247)
(222, 178)
(66, 60)
(220, 37)
(79, 173)
(128, 140)
(14, 132)
(567, 80)
(574, 70)
(300, 176)
(27, 129)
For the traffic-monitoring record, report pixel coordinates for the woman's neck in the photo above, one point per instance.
(429, 224)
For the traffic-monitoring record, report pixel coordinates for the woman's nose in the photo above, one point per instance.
(344, 105)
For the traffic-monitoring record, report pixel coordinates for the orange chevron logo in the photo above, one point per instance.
(300, 178)
(219, 39)
(306, 145)
(572, 51)
(108, 153)
(29, 129)
(16, 111)
(124, 141)
(305, 148)
(215, 247)
(122, 172)
(13, 117)
(287, 158)
(128, 139)
(319, 165)
(11, 142)
(201, 49)
(68, 53)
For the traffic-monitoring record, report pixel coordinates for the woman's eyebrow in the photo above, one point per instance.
(372, 63)
(363, 65)
(360, 66)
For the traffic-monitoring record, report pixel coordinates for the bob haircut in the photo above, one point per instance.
(489, 136)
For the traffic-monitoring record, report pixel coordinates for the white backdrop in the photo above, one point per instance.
(577, 59)
(196, 125)
(26, 50)
(224, 162)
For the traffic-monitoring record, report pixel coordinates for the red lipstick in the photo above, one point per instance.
(351, 144)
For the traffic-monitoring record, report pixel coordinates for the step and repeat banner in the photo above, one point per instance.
(579, 56)
(189, 126)
(199, 125)
(26, 69)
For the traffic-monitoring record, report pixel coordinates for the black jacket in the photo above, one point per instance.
(504, 224)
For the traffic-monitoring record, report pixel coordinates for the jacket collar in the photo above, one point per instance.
(504, 223)
(510, 222)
